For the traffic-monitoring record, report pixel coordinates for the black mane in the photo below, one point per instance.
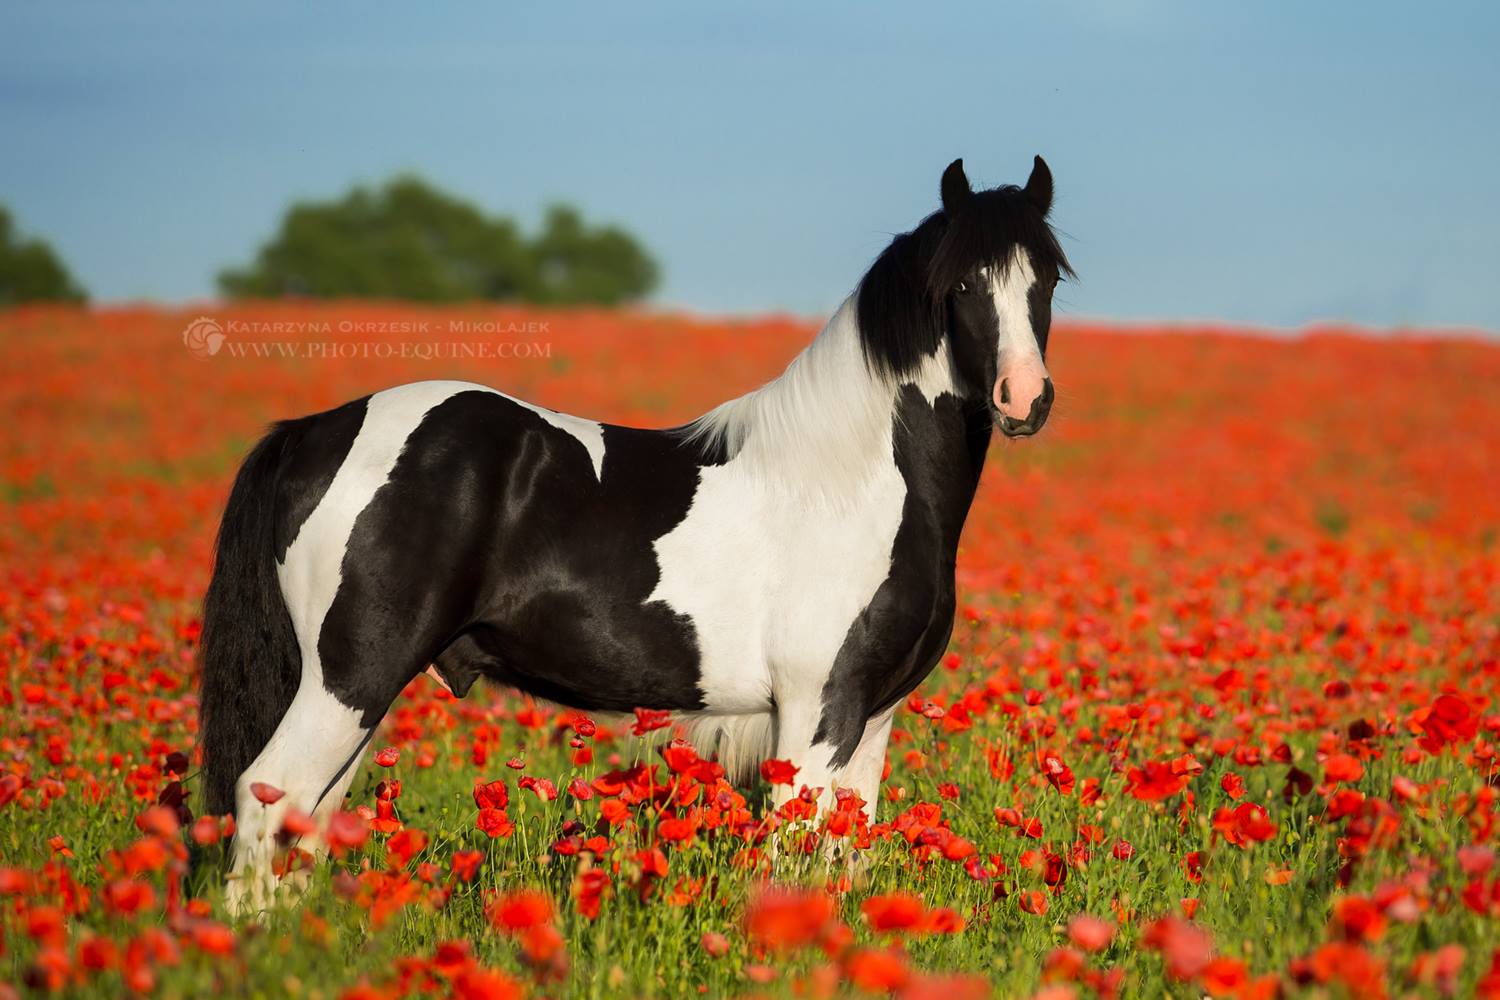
(900, 302)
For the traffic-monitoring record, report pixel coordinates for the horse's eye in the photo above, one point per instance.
(963, 286)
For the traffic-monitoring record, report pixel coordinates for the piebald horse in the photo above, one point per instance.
(779, 573)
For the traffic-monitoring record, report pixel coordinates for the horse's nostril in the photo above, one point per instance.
(1005, 392)
(1040, 407)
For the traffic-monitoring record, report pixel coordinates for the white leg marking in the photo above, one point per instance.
(794, 737)
(796, 725)
(317, 736)
(864, 769)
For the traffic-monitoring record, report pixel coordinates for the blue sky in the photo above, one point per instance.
(1270, 163)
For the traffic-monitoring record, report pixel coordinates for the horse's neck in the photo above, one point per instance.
(825, 427)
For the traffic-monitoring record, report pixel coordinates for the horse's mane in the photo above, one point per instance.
(818, 420)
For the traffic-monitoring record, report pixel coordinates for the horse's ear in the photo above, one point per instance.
(955, 188)
(1039, 186)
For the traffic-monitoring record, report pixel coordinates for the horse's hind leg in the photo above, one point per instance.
(316, 749)
(310, 759)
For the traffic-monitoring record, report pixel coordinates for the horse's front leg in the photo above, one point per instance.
(834, 745)
(867, 766)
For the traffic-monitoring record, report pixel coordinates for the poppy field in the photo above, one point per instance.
(1219, 717)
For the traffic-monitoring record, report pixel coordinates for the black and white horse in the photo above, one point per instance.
(779, 573)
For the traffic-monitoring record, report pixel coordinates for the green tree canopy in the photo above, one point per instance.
(408, 240)
(30, 271)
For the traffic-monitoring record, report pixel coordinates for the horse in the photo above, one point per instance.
(779, 573)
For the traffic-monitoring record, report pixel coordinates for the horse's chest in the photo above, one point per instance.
(772, 583)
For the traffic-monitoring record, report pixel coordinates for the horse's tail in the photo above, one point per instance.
(249, 661)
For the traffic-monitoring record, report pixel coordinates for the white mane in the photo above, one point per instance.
(824, 423)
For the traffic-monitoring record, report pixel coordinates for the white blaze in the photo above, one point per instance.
(1020, 368)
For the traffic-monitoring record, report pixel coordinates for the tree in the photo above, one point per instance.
(408, 240)
(30, 271)
(577, 264)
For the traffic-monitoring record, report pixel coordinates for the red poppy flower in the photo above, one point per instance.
(387, 757)
(1155, 781)
(1245, 824)
(494, 823)
(648, 720)
(541, 787)
(675, 831)
(784, 919)
(680, 756)
(897, 911)
(491, 794)
(1090, 933)
(266, 794)
(464, 864)
(346, 830)
(1033, 901)
(588, 891)
(778, 772)
(1058, 774)
(405, 845)
(877, 970)
(1343, 767)
(519, 910)
(1448, 720)
(297, 824)
(943, 920)
(1357, 918)
(1184, 946)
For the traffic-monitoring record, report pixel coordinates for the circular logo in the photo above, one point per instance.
(203, 337)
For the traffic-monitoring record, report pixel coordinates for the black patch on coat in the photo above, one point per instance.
(900, 322)
(896, 641)
(315, 453)
(1039, 305)
(494, 551)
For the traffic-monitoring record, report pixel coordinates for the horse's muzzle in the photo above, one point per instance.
(1040, 407)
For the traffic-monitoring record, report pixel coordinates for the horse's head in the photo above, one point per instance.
(991, 274)
(978, 274)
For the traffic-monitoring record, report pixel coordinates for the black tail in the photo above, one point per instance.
(249, 661)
